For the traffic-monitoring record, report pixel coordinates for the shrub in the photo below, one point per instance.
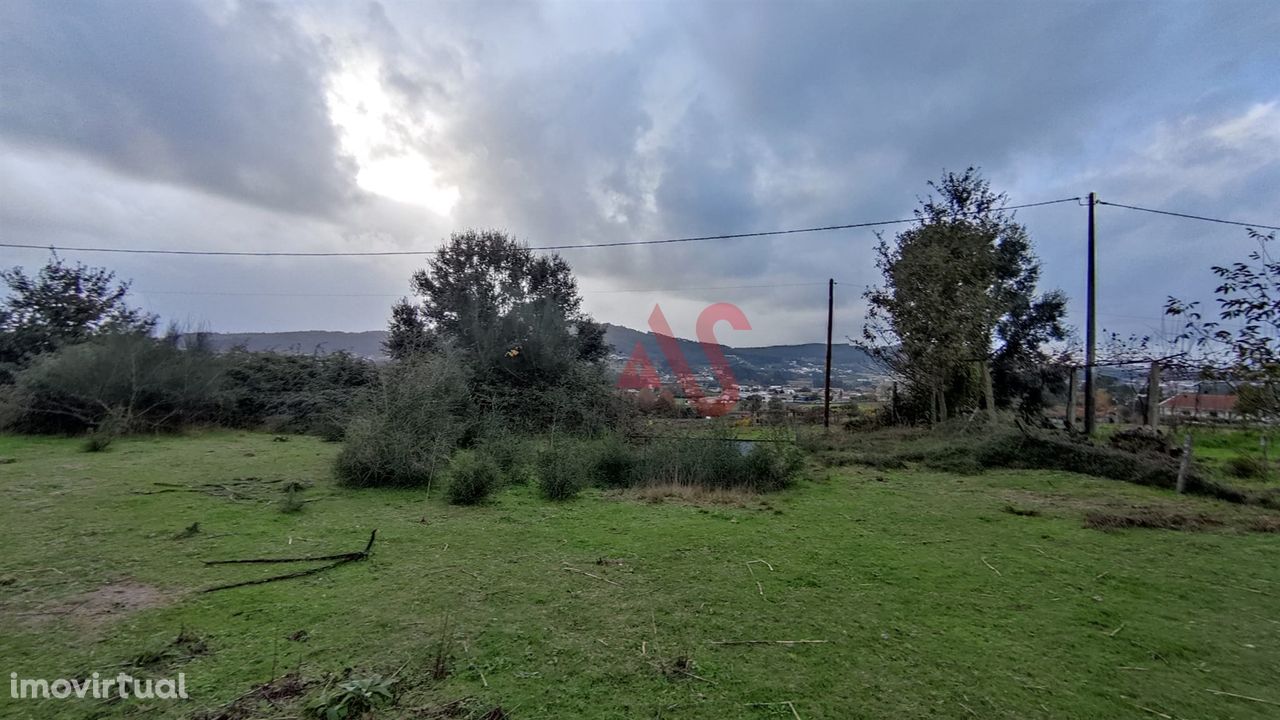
(136, 382)
(292, 501)
(97, 441)
(717, 462)
(613, 463)
(771, 466)
(709, 461)
(471, 477)
(293, 392)
(406, 427)
(513, 454)
(560, 474)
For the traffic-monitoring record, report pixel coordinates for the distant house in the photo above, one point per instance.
(1199, 405)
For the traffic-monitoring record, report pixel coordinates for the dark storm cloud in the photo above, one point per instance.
(232, 102)
(580, 122)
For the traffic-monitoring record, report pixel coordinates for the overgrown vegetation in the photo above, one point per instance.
(406, 427)
(75, 358)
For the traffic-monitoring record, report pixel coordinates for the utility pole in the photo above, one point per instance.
(1091, 331)
(826, 393)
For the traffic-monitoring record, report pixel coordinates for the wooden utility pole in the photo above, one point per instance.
(1091, 330)
(1072, 397)
(1153, 395)
(826, 393)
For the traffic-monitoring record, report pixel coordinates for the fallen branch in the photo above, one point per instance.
(1115, 632)
(340, 559)
(997, 572)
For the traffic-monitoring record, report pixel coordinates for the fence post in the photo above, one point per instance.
(1071, 399)
(1153, 395)
(1266, 463)
(1185, 467)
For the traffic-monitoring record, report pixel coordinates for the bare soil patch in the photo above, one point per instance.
(101, 605)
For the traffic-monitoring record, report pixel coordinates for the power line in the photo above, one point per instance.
(1189, 216)
(585, 291)
(386, 253)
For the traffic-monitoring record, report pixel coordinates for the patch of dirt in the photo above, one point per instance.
(103, 605)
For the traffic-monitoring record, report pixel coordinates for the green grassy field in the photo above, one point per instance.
(930, 598)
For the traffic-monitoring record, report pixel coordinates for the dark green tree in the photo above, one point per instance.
(960, 289)
(407, 334)
(481, 278)
(514, 317)
(61, 305)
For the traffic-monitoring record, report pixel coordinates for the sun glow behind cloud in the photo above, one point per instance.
(372, 128)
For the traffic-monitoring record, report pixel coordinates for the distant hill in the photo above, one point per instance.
(767, 365)
(365, 344)
(771, 364)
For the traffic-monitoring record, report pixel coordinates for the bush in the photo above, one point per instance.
(613, 463)
(135, 382)
(406, 427)
(512, 454)
(718, 462)
(293, 393)
(771, 466)
(97, 441)
(471, 477)
(560, 475)
(101, 437)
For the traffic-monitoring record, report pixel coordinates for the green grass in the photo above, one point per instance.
(933, 599)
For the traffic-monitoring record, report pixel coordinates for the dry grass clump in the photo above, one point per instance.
(1153, 518)
(693, 494)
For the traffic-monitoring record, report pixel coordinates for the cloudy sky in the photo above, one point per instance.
(338, 126)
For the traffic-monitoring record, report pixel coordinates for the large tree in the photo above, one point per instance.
(959, 293)
(513, 315)
(62, 305)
